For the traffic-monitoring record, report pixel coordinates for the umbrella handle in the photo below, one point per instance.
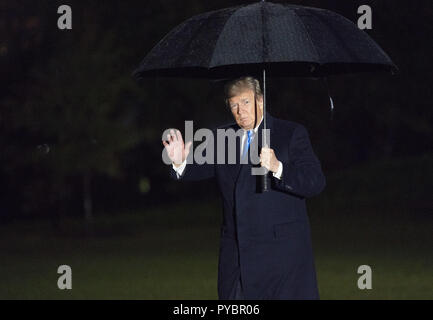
(265, 183)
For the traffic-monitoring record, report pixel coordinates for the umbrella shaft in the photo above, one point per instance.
(265, 143)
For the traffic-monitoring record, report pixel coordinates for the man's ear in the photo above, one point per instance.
(260, 102)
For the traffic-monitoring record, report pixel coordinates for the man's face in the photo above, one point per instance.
(242, 108)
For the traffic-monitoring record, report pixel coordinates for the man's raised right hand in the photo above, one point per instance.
(177, 151)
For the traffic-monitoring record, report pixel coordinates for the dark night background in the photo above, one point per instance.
(83, 183)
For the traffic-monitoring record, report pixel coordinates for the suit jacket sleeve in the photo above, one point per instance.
(302, 174)
(194, 171)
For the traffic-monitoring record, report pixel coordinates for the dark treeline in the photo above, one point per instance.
(79, 135)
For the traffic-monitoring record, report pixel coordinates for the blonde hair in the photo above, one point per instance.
(236, 86)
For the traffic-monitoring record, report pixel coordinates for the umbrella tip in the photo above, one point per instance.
(394, 70)
(136, 75)
(312, 68)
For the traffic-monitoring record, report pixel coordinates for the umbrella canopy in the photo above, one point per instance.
(286, 40)
(264, 38)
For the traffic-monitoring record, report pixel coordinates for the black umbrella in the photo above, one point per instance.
(280, 39)
(287, 40)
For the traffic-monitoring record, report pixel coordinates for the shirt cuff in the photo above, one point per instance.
(179, 170)
(279, 171)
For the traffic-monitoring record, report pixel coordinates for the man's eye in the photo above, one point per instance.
(246, 102)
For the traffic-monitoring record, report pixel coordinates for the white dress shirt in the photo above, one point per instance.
(179, 170)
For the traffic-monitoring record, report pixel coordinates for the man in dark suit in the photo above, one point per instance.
(265, 243)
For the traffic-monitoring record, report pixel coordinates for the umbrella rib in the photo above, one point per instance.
(190, 40)
(309, 36)
(218, 38)
(352, 54)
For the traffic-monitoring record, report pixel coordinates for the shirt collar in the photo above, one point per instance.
(256, 128)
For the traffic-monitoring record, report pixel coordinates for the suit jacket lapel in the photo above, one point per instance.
(235, 169)
(257, 143)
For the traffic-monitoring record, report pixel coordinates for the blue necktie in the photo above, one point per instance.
(247, 145)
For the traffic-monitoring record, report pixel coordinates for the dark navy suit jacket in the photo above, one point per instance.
(265, 237)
